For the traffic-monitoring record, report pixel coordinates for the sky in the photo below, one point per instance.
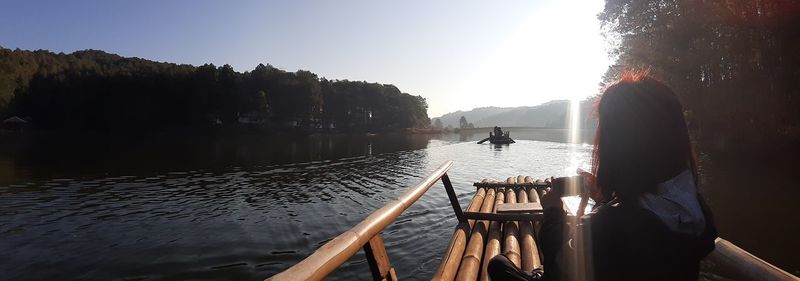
(457, 54)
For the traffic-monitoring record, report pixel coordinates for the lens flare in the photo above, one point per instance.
(573, 137)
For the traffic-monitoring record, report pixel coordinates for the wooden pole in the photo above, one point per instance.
(338, 250)
(378, 260)
(453, 199)
(493, 244)
(511, 232)
(452, 257)
(471, 262)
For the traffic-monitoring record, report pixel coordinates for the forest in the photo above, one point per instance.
(735, 66)
(97, 91)
(733, 63)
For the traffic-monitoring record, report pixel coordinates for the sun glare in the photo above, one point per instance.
(557, 54)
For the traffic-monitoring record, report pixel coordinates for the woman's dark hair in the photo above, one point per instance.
(641, 138)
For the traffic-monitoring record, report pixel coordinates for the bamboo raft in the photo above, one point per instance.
(498, 140)
(502, 217)
(499, 137)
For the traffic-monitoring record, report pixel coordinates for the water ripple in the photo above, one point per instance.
(244, 222)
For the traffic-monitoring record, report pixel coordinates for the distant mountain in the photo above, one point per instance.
(552, 114)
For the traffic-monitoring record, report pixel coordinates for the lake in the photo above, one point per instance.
(246, 207)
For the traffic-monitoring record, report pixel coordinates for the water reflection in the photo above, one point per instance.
(499, 147)
(59, 156)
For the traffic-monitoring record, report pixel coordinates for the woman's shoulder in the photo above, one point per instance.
(636, 227)
(621, 217)
(630, 241)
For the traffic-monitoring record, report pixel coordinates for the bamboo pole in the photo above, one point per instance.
(520, 179)
(452, 258)
(505, 184)
(738, 264)
(502, 217)
(528, 248)
(511, 233)
(330, 256)
(511, 180)
(471, 262)
(522, 196)
(493, 244)
(533, 196)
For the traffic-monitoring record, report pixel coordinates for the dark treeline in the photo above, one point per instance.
(734, 63)
(94, 90)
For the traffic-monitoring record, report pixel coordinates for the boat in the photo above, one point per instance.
(502, 218)
(498, 137)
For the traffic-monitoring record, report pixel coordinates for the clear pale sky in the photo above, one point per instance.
(457, 54)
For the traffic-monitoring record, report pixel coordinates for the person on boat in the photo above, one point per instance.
(649, 222)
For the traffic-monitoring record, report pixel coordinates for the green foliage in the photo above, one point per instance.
(733, 63)
(372, 106)
(462, 122)
(94, 90)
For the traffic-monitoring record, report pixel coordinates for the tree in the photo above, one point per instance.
(463, 122)
(733, 63)
(437, 123)
(94, 90)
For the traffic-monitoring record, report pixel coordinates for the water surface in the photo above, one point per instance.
(244, 208)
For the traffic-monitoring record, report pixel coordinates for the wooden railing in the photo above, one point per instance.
(366, 236)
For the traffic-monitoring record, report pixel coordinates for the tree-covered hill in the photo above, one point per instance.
(95, 90)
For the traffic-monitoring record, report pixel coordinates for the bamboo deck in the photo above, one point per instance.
(476, 241)
(499, 219)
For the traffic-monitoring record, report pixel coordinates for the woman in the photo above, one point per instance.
(650, 223)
